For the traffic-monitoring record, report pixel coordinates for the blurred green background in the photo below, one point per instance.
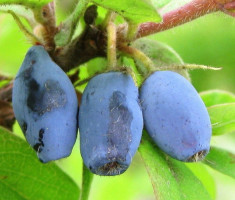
(209, 40)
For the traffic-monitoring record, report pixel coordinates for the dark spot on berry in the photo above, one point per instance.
(36, 146)
(24, 127)
(119, 132)
(33, 90)
(45, 98)
(33, 85)
(87, 97)
(41, 132)
(27, 73)
(30, 52)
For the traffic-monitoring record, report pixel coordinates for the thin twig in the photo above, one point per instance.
(111, 45)
(186, 66)
(30, 36)
(139, 55)
(110, 16)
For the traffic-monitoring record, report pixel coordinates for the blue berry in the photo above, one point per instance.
(110, 123)
(175, 116)
(45, 105)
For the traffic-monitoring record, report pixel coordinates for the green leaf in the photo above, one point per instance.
(160, 53)
(160, 3)
(222, 118)
(21, 12)
(173, 5)
(129, 62)
(3, 83)
(188, 183)
(133, 11)
(87, 178)
(164, 184)
(213, 97)
(28, 3)
(221, 160)
(96, 65)
(4, 80)
(30, 36)
(68, 27)
(201, 172)
(22, 176)
(9, 39)
(171, 179)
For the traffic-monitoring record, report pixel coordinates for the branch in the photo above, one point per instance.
(139, 55)
(228, 7)
(7, 117)
(90, 44)
(182, 15)
(6, 92)
(49, 25)
(30, 36)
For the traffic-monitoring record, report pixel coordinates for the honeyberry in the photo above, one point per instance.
(110, 123)
(175, 116)
(45, 105)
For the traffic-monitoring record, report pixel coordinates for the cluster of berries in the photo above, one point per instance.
(111, 117)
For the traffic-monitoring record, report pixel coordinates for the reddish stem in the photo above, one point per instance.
(230, 6)
(227, 7)
(184, 14)
(187, 13)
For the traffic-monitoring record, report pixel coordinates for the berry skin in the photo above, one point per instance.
(110, 123)
(45, 105)
(175, 116)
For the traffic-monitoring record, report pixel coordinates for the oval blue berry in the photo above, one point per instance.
(45, 105)
(110, 123)
(175, 116)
